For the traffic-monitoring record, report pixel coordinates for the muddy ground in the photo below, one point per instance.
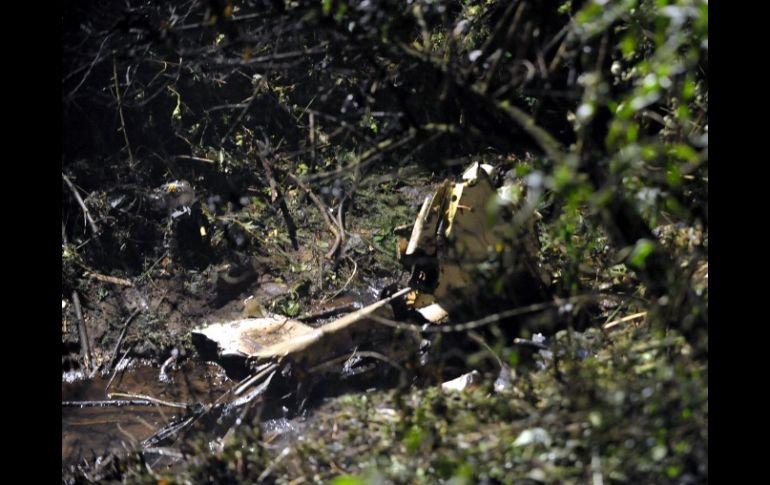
(627, 402)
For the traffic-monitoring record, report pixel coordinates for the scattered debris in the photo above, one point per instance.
(625, 319)
(504, 381)
(463, 383)
(452, 236)
(533, 436)
(277, 336)
(108, 279)
(175, 195)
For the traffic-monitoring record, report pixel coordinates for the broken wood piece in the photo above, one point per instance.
(108, 279)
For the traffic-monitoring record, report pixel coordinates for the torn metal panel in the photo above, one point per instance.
(277, 337)
(473, 171)
(453, 235)
(469, 239)
(248, 336)
(433, 313)
(423, 239)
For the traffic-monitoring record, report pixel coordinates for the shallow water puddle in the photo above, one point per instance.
(117, 421)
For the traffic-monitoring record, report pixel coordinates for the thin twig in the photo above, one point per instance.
(131, 438)
(81, 203)
(167, 452)
(311, 118)
(489, 319)
(623, 320)
(197, 159)
(120, 111)
(169, 431)
(324, 212)
(105, 403)
(64, 241)
(490, 75)
(480, 340)
(266, 473)
(90, 68)
(350, 278)
(531, 343)
(148, 398)
(329, 312)
(344, 358)
(486, 49)
(117, 368)
(367, 157)
(251, 380)
(275, 195)
(85, 345)
(108, 279)
(121, 337)
(245, 110)
(155, 263)
(340, 240)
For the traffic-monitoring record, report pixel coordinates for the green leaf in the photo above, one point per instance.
(632, 132)
(683, 152)
(643, 248)
(327, 6)
(342, 10)
(348, 480)
(513, 358)
(688, 90)
(413, 439)
(628, 45)
(674, 175)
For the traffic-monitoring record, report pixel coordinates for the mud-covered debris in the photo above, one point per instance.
(253, 308)
(463, 383)
(175, 195)
(504, 381)
(533, 436)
